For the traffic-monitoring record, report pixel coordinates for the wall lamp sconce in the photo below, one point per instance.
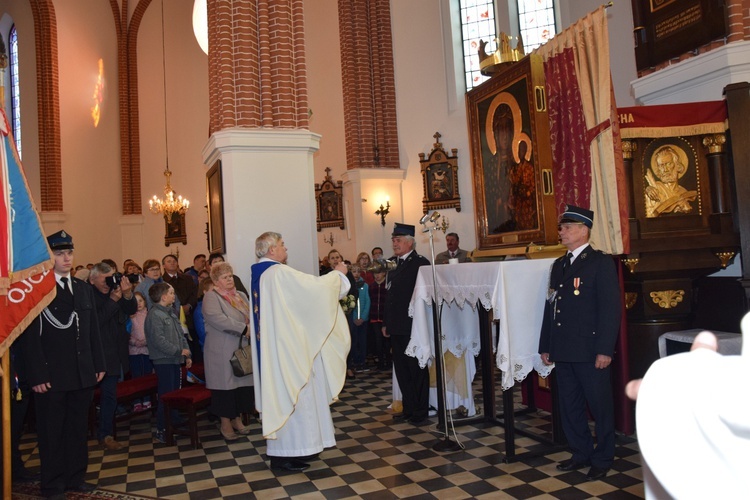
(329, 239)
(383, 212)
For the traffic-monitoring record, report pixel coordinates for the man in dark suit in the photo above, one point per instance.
(187, 294)
(63, 355)
(413, 380)
(453, 252)
(581, 322)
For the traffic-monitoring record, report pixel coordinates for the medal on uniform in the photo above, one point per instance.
(576, 284)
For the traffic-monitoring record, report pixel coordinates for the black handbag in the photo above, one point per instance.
(242, 360)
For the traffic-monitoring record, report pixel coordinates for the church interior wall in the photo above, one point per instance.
(427, 53)
(90, 154)
(187, 121)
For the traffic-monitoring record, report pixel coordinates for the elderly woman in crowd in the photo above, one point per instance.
(226, 314)
(151, 276)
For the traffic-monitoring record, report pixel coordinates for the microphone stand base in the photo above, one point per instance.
(446, 445)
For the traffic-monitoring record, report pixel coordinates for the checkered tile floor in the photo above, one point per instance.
(374, 458)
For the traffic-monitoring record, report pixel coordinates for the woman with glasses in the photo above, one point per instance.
(151, 275)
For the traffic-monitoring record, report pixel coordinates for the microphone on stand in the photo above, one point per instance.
(429, 218)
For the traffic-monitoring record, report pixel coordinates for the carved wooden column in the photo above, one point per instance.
(628, 150)
(738, 109)
(717, 168)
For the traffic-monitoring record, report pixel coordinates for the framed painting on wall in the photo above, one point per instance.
(215, 203)
(440, 178)
(174, 230)
(512, 159)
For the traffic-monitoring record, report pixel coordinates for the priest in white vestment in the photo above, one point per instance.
(301, 344)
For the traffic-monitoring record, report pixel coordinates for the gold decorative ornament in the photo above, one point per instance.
(445, 224)
(630, 299)
(725, 257)
(631, 263)
(667, 299)
(489, 64)
(628, 149)
(714, 143)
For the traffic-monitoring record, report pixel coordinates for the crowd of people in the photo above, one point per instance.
(104, 325)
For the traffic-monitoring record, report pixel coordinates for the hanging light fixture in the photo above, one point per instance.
(170, 205)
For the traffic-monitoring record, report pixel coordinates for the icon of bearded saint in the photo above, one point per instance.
(663, 194)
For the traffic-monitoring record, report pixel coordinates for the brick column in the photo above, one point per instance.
(369, 84)
(258, 122)
(257, 73)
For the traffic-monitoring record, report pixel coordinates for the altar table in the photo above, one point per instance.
(515, 291)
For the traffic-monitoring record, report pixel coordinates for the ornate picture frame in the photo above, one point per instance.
(174, 232)
(671, 179)
(440, 178)
(511, 158)
(329, 203)
(215, 205)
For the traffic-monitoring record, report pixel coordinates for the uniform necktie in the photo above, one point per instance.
(66, 287)
(566, 260)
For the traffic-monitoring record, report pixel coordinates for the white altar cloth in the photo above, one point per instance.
(515, 290)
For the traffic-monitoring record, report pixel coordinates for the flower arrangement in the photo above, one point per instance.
(348, 303)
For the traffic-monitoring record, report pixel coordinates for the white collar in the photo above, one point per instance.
(577, 251)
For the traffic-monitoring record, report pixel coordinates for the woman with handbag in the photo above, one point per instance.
(226, 313)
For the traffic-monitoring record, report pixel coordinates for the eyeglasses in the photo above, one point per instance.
(153, 269)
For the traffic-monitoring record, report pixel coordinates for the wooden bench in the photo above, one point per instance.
(190, 399)
(127, 391)
(134, 389)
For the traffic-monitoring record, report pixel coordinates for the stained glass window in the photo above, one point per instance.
(536, 22)
(15, 98)
(477, 23)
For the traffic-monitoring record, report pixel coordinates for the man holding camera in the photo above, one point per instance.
(115, 302)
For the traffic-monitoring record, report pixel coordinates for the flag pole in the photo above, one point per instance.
(5, 370)
(6, 424)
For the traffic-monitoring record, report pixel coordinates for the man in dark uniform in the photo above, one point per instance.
(62, 352)
(413, 380)
(581, 322)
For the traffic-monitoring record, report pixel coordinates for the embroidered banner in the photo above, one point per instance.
(671, 120)
(27, 283)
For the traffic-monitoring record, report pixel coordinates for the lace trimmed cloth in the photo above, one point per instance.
(514, 290)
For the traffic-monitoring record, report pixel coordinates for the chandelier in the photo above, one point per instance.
(169, 205)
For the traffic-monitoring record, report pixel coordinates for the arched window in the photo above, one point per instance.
(536, 22)
(477, 23)
(15, 98)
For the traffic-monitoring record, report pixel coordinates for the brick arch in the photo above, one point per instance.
(48, 101)
(127, 89)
